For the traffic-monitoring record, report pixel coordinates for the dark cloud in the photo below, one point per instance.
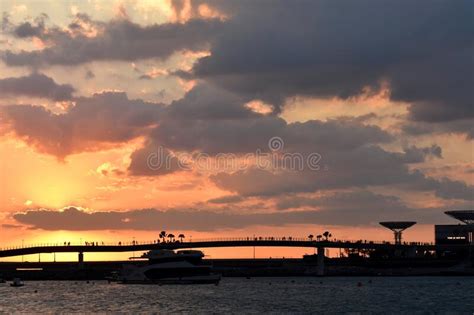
(451, 189)
(419, 128)
(345, 209)
(118, 39)
(153, 220)
(37, 28)
(423, 49)
(89, 75)
(270, 50)
(145, 77)
(11, 226)
(361, 207)
(364, 200)
(154, 160)
(205, 102)
(29, 30)
(414, 154)
(365, 166)
(93, 123)
(226, 199)
(36, 85)
(248, 135)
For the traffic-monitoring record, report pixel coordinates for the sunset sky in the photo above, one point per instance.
(119, 119)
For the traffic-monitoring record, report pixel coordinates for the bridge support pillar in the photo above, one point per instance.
(81, 259)
(320, 261)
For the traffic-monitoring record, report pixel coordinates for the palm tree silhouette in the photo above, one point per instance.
(181, 237)
(327, 235)
(162, 235)
(310, 237)
(171, 237)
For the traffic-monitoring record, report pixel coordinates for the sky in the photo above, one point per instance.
(120, 119)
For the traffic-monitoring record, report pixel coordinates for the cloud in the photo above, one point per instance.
(204, 102)
(414, 154)
(361, 207)
(263, 52)
(109, 118)
(346, 209)
(153, 220)
(362, 167)
(11, 226)
(214, 136)
(271, 50)
(226, 199)
(154, 160)
(89, 75)
(28, 29)
(419, 128)
(36, 85)
(363, 200)
(86, 40)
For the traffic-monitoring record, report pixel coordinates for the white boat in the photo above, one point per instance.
(17, 283)
(169, 267)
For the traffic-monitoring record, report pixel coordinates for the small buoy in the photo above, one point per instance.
(359, 284)
(36, 291)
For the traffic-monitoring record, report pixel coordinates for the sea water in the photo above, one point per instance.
(302, 295)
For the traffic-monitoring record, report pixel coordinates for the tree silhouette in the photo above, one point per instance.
(327, 235)
(171, 237)
(311, 237)
(162, 235)
(181, 237)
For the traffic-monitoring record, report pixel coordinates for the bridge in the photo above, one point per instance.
(320, 245)
(207, 243)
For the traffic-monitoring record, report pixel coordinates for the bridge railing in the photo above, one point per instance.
(222, 239)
